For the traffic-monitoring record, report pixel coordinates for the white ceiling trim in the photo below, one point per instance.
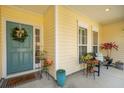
(94, 28)
(83, 24)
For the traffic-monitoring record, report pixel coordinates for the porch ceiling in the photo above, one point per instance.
(98, 13)
(95, 12)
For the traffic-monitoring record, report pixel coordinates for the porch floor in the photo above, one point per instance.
(111, 78)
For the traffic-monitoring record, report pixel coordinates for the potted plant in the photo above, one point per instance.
(45, 60)
(86, 57)
(48, 62)
(43, 55)
(109, 47)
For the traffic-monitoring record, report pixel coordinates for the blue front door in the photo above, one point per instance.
(19, 54)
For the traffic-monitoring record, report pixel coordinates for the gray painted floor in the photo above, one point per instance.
(111, 78)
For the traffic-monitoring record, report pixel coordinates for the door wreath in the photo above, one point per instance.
(19, 34)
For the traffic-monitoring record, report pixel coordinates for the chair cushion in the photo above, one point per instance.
(100, 57)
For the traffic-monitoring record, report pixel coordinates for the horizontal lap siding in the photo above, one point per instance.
(113, 32)
(22, 15)
(67, 41)
(0, 46)
(49, 36)
(67, 38)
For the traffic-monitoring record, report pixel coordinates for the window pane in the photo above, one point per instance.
(82, 41)
(95, 49)
(37, 31)
(95, 38)
(82, 35)
(82, 51)
(37, 45)
(37, 60)
(37, 38)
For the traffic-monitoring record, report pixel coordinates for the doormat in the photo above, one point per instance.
(13, 82)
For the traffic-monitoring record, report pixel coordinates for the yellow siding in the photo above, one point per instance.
(18, 15)
(0, 47)
(22, 15)
(66, 33)
(113, 32)
(49, 36)
(67, 38)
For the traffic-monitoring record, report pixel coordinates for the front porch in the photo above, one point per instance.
(112, 78)
(66, 34)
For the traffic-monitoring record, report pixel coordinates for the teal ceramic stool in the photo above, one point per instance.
(61, 77)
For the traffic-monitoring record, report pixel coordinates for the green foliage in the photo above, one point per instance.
(86, 57)
(43, 55)
(19, 34)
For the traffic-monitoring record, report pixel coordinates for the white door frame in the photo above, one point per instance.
(4, 50)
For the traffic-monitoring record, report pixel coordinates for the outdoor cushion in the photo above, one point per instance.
(99, 56)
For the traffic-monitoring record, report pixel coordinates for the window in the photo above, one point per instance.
(95, 42)
(37, 47)
(82, 41)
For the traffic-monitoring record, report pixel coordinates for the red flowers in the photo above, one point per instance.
(48, 62)
(108, 47)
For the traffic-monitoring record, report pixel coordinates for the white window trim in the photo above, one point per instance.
(83, 25)
(95, 30)
(34, 41)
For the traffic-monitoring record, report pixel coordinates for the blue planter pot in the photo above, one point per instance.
(61, 77)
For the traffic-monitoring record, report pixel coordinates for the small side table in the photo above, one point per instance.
(90, 67)
(46, 71)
